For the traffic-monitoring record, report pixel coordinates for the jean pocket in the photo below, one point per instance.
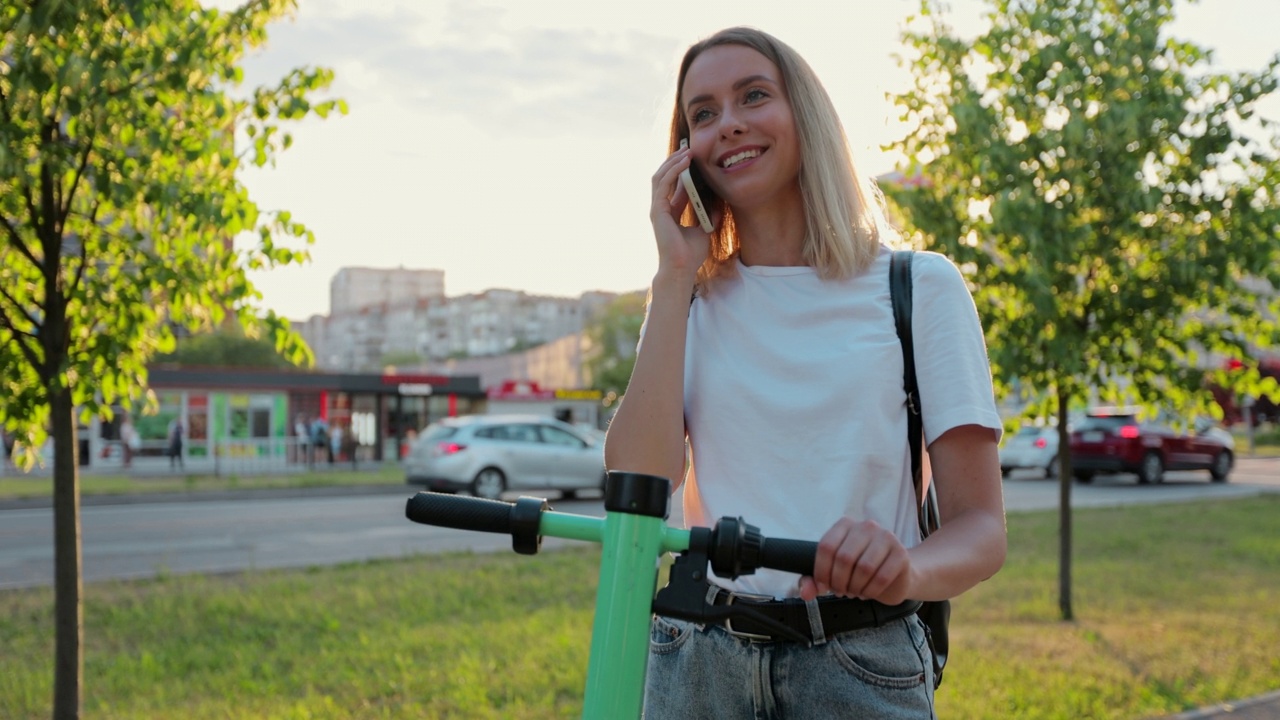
(889, 656)
(668, 634)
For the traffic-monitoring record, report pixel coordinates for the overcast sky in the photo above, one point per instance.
(510, 143)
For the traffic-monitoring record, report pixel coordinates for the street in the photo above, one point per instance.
(141, 540)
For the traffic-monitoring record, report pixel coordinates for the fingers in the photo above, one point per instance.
(666, 179)
(669, 195)
(859, 559)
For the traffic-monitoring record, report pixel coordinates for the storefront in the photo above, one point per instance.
(576, 407)
(256, 418)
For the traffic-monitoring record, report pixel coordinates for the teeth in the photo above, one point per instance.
(735, 159)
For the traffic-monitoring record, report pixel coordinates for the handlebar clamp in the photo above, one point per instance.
(526, 516)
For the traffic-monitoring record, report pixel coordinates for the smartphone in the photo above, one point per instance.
(686, 177)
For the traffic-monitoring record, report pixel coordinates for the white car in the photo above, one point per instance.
(488, 455)
(1031, 447)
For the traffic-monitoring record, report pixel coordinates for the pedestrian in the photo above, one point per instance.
(335, 442)
(320, 438)
(130, 442)
(302, 439)
(176, 432)
(769, 347)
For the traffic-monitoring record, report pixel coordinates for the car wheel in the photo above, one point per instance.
(1083, 476)
(1221, 466)
(489, 483)
(1004, 472)
(1051, 470)
(1152, 469)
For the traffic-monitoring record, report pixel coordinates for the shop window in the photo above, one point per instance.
(250, 423)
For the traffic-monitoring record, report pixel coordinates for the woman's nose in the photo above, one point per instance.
(731, 123)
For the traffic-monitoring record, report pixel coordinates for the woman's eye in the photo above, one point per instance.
(755, 94)
(700, 115)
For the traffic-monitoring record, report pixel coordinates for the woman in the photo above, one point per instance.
(784, 376)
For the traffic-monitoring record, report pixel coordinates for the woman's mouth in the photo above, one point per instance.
(739, 157)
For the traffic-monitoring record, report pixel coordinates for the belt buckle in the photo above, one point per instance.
(728, 621)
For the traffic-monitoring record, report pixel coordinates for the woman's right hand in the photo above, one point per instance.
(681, 250)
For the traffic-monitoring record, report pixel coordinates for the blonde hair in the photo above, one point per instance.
(843, 222)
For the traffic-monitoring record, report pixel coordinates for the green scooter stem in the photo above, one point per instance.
(630, 547)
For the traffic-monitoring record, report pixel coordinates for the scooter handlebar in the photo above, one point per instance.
(460, 512)
(794, 556)
(736, 548)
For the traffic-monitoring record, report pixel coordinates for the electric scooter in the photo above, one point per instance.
(633, 535)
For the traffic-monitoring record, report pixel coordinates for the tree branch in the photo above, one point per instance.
(84, 251)
(71, 191)
(17, 241)
(18, 306)
(24, 340)
(4, 107)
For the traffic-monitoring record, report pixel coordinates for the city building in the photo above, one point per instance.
(401, 317)
(246, 420)
(355, 288)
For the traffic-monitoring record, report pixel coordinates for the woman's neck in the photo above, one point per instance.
(773, 234)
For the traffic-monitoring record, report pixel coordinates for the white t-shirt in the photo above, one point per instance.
(794, 401)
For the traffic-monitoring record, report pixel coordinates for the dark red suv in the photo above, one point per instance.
(1105, 442)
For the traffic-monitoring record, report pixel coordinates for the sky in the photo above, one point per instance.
(510, 143)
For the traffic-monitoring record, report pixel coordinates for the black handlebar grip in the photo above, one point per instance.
(460, 512)
(794, 556)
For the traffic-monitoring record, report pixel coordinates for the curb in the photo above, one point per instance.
(1262, 707)
(215, 495)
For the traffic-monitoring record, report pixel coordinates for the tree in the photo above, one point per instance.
(118, 205)
(613, 335)
(229, 346)
(1110, 197)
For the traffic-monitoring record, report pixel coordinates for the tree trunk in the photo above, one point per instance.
(68, 588)
(1065, 478)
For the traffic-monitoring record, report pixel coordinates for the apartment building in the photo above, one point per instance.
(405, 315)
(356, 288)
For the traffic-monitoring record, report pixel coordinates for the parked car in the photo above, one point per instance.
(1115, 442)
(491, 454)
(1031, 447)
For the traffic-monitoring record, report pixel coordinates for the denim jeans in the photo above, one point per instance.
(695, 672)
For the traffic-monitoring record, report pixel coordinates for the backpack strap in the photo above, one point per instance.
(936, 615)
(900, 292)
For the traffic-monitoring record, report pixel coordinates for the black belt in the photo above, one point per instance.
(838, 614)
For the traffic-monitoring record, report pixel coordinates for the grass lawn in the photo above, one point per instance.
(25, 486)
(1175, 609)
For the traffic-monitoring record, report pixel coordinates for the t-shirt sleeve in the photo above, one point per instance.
(950, 352)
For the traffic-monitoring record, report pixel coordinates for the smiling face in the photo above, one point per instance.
(741, 126)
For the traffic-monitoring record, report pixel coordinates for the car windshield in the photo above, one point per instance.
(438, 432)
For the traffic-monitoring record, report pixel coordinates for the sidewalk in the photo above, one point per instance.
(1262, 707)
(215, 495)
(198, 494)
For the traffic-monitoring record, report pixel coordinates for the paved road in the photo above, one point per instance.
(143, 539)
(1029, 490)
(140, 540)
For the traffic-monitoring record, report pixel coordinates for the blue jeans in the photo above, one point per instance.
(699, 672)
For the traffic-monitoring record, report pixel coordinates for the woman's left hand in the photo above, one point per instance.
(858, 558)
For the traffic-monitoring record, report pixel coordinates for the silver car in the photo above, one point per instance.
(491, 454)
(1031, 447)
